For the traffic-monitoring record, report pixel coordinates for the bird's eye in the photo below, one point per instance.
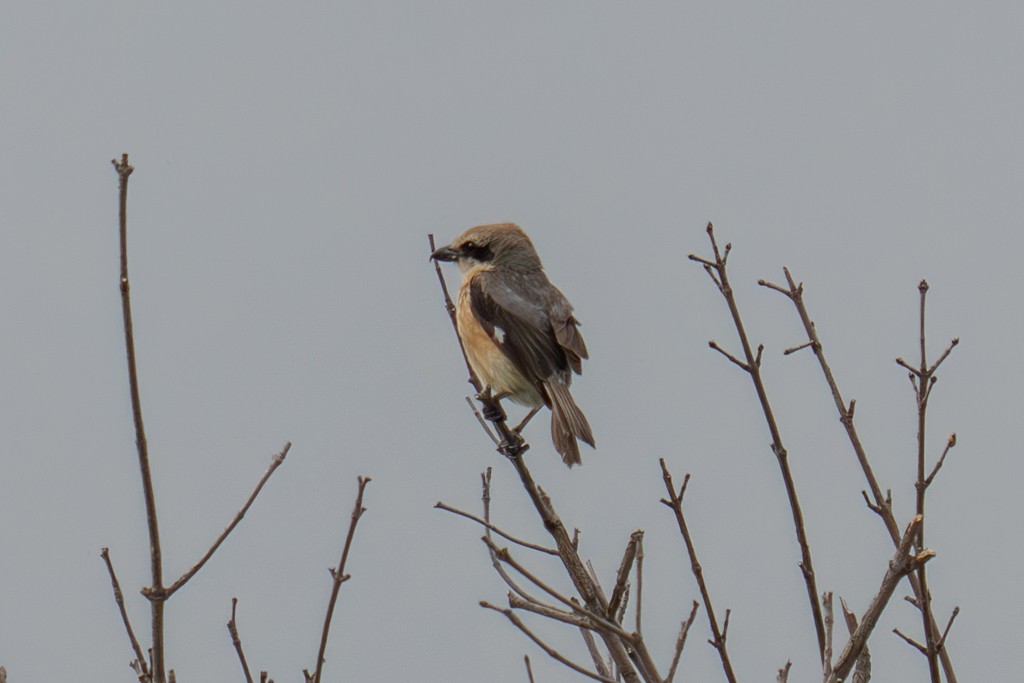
(469, 246)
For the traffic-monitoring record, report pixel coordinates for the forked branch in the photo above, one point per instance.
(902, 564)
(675, 503)
(922, 378)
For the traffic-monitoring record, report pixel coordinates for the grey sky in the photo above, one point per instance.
(290, 160)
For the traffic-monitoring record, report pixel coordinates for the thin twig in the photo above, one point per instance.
(826, 601)
(910, 641)
(505, 556)
(553, 653)
(950, 443)
(753, 368)
(237, 641)
(942, 641)
(518, 541)
(140, 657)
(783, 675)
(639, 579)
(155, 591)
(675, 502)
(798, 347)
(529, 670)
(485, 478)
(576, 619)
(275, 462)
(681, 642)
(743, 366)
(483, 421)
(339, 575)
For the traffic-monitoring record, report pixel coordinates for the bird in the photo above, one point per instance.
(518, 329)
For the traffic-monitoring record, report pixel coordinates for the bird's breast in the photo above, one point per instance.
(487, 356)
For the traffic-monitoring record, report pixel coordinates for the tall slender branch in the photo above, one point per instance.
(339, 575)
(926, 380)
(675, 502)
(155, 591)
(753, 368)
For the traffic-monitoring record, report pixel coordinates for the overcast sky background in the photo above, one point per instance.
(291, 159)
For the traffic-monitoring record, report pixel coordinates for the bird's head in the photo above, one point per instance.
(498, 244)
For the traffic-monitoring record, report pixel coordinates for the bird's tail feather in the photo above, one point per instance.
(568, 423)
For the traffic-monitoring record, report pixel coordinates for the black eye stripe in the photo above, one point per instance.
(476, 251)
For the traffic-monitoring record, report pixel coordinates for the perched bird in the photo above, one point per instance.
(517, 329)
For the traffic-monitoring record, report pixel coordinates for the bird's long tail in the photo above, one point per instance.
(568, 423)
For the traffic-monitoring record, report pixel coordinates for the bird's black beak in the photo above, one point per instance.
(444, 254)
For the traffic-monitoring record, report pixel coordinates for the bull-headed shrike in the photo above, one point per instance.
(518, 330)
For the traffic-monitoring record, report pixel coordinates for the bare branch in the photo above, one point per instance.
(754, 370)
(529, 670)
(553, 653)
(518, 541)
(698, 259)
(155, 591)
(593, 599)
(622, 577)
(942, 641)
(882, 506)
(681, 642)
(274, 464)
(577, 619)
(237, 641)
(639, 578)
(140, 657)
(339, 575)
(743, 366)
(901, 565)
(505, 556)
(910, 641)
(778, 288)
(950, 443)
(483, 422)
(794, 349)
(924, 387)
(944, 356)
(604, 668)
(914, 372)
(826, 601)
(783, 675)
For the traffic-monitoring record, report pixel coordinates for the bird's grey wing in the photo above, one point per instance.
(512, 309)
(566, 328)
